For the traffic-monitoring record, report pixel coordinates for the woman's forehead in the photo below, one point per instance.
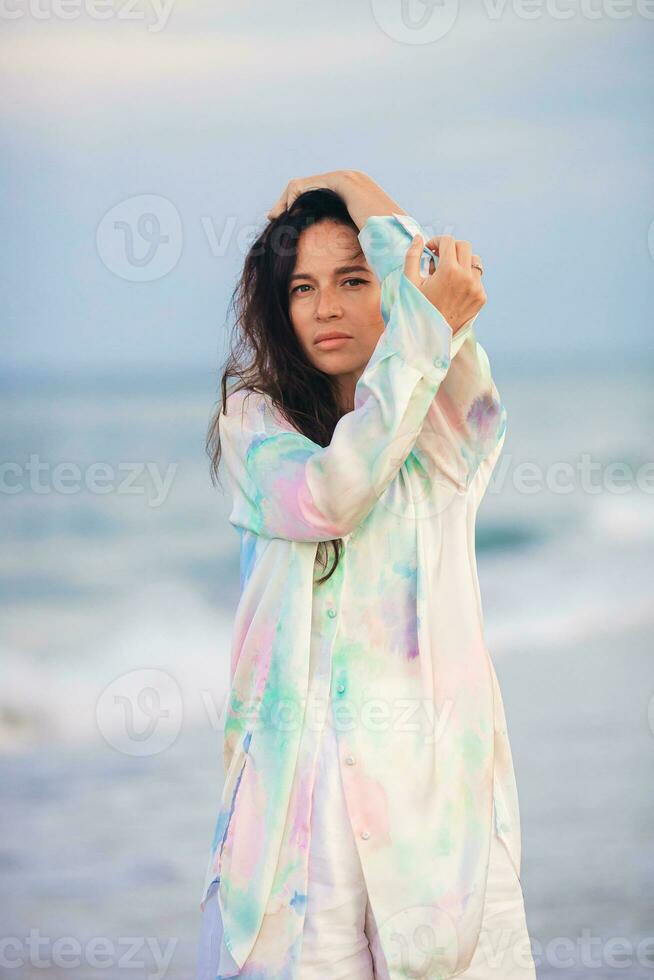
(329, 242)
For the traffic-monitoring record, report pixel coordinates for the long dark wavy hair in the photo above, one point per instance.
(265, 354)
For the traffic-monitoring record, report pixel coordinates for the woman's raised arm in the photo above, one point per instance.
(467, 417)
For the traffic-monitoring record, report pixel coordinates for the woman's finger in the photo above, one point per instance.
(284, 200)
(412, 260)
(277, 208)
(464, 253)
(444, 247)
(477, 265)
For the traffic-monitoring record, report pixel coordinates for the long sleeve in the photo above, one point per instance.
(284, 485)
(467, 418)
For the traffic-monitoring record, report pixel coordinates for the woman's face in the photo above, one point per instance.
(333, 290)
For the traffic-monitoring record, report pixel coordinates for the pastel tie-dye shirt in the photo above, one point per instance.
(411, 690)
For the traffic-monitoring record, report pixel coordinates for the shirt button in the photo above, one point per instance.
(340, 688)
(331, 613)
(349, 759)
(365, 834)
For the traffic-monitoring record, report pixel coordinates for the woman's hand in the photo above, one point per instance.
(362, 195)
(331, 180)
(455, 287)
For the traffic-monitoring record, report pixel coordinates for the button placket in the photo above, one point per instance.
(328, 598)
(331, 597)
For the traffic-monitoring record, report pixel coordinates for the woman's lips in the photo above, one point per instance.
(332, 342)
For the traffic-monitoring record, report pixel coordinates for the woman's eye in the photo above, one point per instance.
(305, 285)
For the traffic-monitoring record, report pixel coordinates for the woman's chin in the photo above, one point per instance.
(335, 362)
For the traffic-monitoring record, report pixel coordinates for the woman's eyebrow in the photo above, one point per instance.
(337, 272)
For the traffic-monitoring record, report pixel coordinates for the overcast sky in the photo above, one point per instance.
(142, 150)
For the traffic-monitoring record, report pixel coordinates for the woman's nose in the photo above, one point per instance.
(327, 304)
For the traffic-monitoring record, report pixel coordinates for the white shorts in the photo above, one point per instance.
(337, 920)
(339, 936)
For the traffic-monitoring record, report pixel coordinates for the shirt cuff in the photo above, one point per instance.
(462, 334)
(385, 239)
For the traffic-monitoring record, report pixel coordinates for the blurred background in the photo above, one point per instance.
(144, 142)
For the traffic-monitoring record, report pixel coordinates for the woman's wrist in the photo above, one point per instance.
(364, 197)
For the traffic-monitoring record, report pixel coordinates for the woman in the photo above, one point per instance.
(369, 822)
